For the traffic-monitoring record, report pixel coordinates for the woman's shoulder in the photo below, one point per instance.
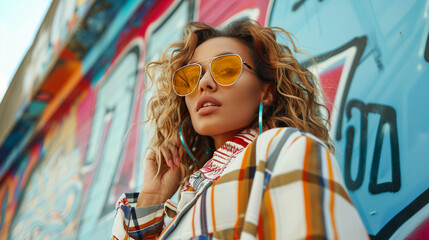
(291, 149)
(287, 137)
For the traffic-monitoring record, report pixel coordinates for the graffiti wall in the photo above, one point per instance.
(372, 59)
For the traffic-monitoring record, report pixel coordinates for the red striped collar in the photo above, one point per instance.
(222, 156)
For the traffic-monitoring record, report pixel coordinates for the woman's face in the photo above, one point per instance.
(235, 106)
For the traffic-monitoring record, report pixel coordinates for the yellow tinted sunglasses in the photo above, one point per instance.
(225, 69)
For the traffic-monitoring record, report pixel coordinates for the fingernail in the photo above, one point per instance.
(170, 163)
(177, 161)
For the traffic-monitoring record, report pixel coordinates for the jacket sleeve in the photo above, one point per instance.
(305, 197)
(137, 222)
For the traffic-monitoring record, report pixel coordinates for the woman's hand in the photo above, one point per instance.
(158, 189)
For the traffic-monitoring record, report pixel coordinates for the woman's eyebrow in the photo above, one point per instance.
(210, 58)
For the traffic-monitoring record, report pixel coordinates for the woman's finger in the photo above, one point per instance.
(181, 149)
(175, 153)
(167, 157)
(181, 152)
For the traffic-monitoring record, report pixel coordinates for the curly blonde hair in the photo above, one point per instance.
(296, 102)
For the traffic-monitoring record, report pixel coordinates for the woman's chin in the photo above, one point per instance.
(208, 130)
(216, 131)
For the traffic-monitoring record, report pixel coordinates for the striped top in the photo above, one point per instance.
(284, 184)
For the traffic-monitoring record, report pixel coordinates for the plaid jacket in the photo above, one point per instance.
(284, 184)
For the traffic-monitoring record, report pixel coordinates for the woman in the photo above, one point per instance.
(215, 93)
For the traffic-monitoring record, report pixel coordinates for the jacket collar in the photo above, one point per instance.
(214, 167)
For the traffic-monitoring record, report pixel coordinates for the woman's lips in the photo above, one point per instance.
(207, 110)
(214, 105)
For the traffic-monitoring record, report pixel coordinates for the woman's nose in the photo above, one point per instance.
(207, 83)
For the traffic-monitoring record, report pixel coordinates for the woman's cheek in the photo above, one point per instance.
(241, 108)
(189, 103)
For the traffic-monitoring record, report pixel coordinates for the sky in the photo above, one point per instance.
(19, 22)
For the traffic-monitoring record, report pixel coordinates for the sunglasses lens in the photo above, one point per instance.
(227, 69)
(185, 79)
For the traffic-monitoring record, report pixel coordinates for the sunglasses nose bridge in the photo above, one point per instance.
(204, 68)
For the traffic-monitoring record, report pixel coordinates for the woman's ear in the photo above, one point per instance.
(268, 93)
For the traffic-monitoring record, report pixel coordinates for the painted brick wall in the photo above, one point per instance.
(372, 59)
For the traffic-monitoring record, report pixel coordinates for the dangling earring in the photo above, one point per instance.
(185, 146)
(261, 107)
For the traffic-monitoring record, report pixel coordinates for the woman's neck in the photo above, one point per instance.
(221, 139)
